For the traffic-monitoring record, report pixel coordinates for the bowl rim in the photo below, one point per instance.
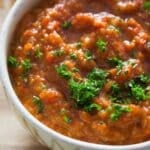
(4, 75)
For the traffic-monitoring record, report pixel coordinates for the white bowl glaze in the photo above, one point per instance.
(46, 136)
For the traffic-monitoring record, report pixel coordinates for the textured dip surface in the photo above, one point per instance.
(82, 68)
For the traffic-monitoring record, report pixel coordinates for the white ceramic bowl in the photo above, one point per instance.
(46, 136)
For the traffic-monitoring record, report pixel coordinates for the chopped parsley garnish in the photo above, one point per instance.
(146, 5)
(78, 45)
(38, 52)
(117, 99)
(144, 78)
(92, 107)
(73, 56)
(64, 112)
(117, 94)
(119, 64)
(115, 61)
(58, 52)
(37, 101)
(83, 92)
(26, 65)
(101, 44)
(137, 91)
(66, 25)
(12, 61)
(147, 96)
(97, 74)
(118, 110)
(115, 89)
(63, 71)
(88, 55)
(134, 90)
(67, 119)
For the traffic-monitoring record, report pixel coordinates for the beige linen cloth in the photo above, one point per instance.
(12, 134)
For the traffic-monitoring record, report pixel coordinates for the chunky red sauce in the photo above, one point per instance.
(82, 68)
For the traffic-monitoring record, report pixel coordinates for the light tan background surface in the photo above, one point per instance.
(12, 135)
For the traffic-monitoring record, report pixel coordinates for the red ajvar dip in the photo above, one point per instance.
(81, 67)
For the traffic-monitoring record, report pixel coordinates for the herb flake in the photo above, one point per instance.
(26, 65)
(146, 5)
(37, 101)
(38, 53)
(67, 119)
(93, 107)
(101, 44)
(58, 52)
(66, 25)
(118, 110)
(63, 71)
(12, 61)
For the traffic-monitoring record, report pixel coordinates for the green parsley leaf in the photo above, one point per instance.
(58, 52)
(117, 99)
(137, 91)
(67, 119)
(63, 71)
(116, 94)
(92, 107)
(38, 52)
(66, 25)
(119, 68)
(147, 97)
(38, 103)
(116, 62)
(97, 74)
(78, 45)
(88, 55)
(144, 78)
(101, 44)
(115, 89)
(12, 61)
(83, 92)
(146, 5)
(118, 111)
(73, 56)
(26, 64)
